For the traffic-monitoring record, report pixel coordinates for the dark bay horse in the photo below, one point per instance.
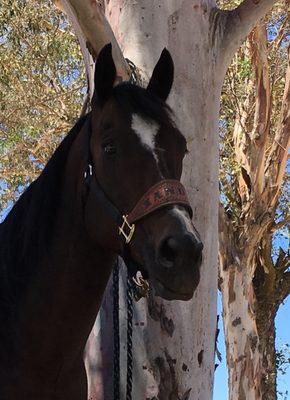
(112, 187)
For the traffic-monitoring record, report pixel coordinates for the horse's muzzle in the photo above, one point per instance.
(178, 264)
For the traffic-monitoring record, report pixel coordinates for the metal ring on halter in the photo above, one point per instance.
(142, 287)
(128, 236)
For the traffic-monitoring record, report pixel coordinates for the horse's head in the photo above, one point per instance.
(135, 145)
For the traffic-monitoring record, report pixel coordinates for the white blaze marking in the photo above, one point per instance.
(146, 131)
(184, 217)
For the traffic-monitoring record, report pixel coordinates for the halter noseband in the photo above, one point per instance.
(164, 193)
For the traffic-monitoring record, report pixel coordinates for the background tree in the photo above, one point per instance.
(254, 271)
(42, 84)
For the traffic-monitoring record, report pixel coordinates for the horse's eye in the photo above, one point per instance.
(109, 148)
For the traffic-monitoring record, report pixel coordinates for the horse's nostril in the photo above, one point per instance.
(168, 251)
(174, 250)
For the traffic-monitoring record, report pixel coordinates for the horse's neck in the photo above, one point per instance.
(64, 294)
(78, 269)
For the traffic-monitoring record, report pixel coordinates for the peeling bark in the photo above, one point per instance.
(250, 356)
(253, 286)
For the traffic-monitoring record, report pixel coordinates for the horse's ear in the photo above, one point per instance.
(105, 75)
(162, 78)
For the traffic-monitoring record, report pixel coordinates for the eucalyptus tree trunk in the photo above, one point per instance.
(174, 342)
(252, 284)
(249, 330)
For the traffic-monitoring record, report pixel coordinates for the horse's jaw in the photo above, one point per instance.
(166, 293)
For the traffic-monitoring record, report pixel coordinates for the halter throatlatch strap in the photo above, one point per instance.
(164, 193)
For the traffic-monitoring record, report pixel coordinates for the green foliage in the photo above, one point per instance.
(283, 359)
(282, 364)
(42, 84)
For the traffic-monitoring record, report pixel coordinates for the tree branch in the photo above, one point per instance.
(280, 224)
(277, 159)
(93, 31)
(283, 260)
(280, 34)
(227, 248)
(285, 286)
(239, 22)
(261, 126)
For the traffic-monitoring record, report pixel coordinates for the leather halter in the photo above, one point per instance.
(162, 194)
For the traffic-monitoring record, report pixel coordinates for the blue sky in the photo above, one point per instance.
(282, 337)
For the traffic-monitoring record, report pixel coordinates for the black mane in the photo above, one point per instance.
(26, 230)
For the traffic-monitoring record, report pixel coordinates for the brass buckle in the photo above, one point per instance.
(124, 226)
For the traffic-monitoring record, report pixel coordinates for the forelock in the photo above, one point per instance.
(136, 100)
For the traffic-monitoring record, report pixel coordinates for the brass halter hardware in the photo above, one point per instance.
(125, 226)
(141, 288)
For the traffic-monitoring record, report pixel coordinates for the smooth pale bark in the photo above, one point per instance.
(174, 341)
(248, 321)
(243, 356)
(240, 21)
(248, 316)
(93, 32)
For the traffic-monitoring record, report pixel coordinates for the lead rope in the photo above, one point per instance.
(116, 331)
(135, 78)
(129, 339)
(116, 321)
